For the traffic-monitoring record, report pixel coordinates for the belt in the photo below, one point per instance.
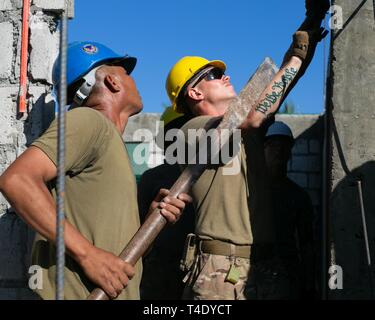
(225, 248)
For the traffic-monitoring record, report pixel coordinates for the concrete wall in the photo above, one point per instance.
(351, 102)
(16, 133)
(305, 167)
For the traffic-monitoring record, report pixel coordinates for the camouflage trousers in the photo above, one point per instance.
(207, 279)
(265, 280)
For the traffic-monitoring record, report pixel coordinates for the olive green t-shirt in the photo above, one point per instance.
(100, 198)
(228, 201)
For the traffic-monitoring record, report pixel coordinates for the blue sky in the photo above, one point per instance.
(239, 32)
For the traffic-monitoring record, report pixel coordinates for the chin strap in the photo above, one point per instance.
(85, 89)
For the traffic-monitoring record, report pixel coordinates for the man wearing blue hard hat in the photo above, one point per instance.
(84, 60)
(293, 214)
(100, 198)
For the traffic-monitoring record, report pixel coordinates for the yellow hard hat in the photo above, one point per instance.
(182, 72)
(169, 115)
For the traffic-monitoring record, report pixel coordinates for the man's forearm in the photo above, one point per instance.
(271, 98)
(34, 204)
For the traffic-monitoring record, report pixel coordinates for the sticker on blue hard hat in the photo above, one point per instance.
(90, 48)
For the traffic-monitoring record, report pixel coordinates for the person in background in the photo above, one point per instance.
(293, 214)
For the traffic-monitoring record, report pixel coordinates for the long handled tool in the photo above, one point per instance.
(233, 118)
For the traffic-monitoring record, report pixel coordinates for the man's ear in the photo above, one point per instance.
(112, 83)
(195, 94)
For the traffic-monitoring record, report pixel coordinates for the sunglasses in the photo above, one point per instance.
(213, 74)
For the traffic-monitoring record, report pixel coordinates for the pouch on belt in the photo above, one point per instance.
(190, 251)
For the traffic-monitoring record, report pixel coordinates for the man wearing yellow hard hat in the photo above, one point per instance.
(233, 217)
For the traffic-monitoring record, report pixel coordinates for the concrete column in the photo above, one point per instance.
(351, 110)
(17, 133)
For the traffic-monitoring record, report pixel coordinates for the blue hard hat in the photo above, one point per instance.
(279, 128)
(85, 56)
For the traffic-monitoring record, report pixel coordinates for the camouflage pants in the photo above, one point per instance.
(207, 278)
(265, 280)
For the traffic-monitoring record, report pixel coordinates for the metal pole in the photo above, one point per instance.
(326, 187)
(60, 245)
(364, 224)
(365, 234)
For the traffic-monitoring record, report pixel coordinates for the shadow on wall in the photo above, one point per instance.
(16, 237)
(40, 117)
(347, 227)
(348, 232)
(313, 169)
(15, 253)
(306, 169)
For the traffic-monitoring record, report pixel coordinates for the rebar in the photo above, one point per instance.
(60, 209)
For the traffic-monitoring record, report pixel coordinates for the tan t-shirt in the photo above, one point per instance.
(226, 204)
(100, 198)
